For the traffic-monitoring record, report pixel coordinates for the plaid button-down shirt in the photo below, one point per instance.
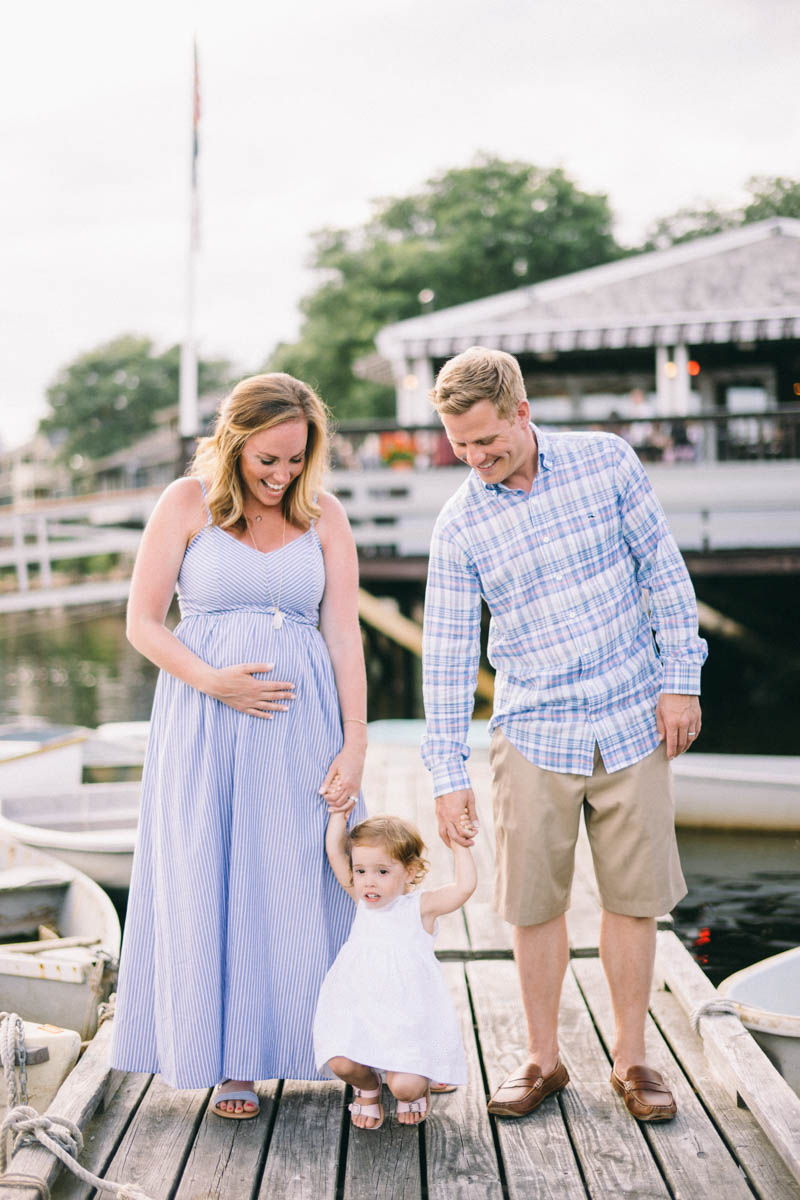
(592, 610)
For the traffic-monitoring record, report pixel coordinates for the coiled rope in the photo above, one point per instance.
(25, 1125)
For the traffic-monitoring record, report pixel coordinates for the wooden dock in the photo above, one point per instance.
(737, 1133)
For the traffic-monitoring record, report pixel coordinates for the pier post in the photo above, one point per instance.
(663, 382)
(19, 545)
(46, 573)
(681, 391)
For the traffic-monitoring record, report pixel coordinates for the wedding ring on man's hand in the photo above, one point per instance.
(353, 798)
(692, 732)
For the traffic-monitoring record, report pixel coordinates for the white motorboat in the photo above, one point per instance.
(737, 791)
(91, 826)
(59, 940)
(766, 996)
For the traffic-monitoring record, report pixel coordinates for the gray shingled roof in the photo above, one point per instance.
(742, 285)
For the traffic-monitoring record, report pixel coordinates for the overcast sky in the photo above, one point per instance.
(311, 110)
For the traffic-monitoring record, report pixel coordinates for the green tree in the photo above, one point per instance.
(770, 196)
(107, 397)
(687, 224)
(471, 232)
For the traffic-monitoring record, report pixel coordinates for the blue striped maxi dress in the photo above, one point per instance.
(234, 915)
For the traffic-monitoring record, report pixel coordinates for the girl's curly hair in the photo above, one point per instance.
(401, 839)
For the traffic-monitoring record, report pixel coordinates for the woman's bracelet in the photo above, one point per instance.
(357, 720)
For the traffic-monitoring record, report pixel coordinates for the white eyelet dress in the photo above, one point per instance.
(385, 1002)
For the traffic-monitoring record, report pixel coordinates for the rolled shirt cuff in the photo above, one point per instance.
(449, 777)
(681, 679)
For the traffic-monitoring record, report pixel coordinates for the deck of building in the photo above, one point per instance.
(737, 1133)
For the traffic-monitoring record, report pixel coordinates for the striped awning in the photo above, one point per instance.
(563, 337)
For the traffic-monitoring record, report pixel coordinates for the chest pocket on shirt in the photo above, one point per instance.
(592, 538)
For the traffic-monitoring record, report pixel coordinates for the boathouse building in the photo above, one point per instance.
(707, 326)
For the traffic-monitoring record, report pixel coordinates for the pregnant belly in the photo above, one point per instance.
(296, 650)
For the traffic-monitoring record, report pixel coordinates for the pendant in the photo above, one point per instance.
(277, 619)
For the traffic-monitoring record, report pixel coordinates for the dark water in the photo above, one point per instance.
(744, 899)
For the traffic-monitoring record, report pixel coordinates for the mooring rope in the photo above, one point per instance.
(716, 1007)
(24, 1124)
(13, 1056)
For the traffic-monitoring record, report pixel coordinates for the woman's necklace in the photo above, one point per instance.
(277, 619)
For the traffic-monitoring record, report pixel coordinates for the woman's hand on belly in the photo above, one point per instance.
(238, 687)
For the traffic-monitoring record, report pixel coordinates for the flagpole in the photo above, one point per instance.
(188, 420)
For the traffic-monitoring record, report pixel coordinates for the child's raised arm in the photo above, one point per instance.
(335, 836)
(450, 897)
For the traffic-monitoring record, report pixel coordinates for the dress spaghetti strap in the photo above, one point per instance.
(209, 518)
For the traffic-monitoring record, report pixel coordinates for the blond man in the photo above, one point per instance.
(594, 639)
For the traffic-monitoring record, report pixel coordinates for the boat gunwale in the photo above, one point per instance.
(45, 838)
(763, 1020)
(75, 740)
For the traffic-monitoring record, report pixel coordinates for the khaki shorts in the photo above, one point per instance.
(630, 820)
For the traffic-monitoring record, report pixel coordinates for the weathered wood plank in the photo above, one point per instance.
(769, 1176)
(102, 1136)
(385, 1162)
(226, 1156)
(452, 933)
(487, 930)
(303, 1157)
(158, 1140)
(742, 1063)
(613, 1153)
(689, 1150)
(77, 1099)
(537, 1154)
(460, 1153)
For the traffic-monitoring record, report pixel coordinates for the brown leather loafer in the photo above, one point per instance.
(525, 1089)
(645, 1095)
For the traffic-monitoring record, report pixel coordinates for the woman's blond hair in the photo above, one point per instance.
(479, 374)
(255, 404)
(401, 840)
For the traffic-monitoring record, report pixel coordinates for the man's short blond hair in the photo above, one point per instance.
(479, 374)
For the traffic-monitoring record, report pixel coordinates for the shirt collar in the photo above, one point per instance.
(545, 452)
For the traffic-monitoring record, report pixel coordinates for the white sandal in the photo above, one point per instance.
(374, 1110)
(422, 1105)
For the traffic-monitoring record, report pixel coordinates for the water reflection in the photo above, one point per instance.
(743, 902)
(70, 668)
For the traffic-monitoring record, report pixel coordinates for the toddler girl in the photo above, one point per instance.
(384, 1007)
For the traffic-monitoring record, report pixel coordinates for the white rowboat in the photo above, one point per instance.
(766, 996)
(91, 826)
(59, 940)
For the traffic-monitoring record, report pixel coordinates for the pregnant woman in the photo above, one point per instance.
(258, 728)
